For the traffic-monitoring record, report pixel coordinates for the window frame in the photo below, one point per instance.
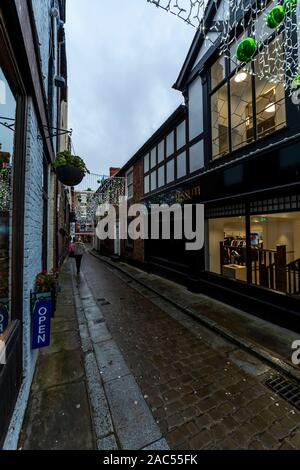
(230, 72)
(130, 186)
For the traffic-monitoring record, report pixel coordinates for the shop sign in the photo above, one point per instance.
(4, 318)
(188, 195)
(41, 321)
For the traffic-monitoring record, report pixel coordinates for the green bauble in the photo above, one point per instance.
(296, 82)
(276, 16)
(289, 5)
(246, 49)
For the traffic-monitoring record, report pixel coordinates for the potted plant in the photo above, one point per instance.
(46, 285)
(70, 169)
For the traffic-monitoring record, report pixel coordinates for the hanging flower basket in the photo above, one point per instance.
(46, 285)
(70, 169)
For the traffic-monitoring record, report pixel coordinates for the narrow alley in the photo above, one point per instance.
(155, 379)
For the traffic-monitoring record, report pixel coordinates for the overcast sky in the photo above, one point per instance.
(123, 58)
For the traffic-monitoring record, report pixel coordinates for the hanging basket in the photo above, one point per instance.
(69, 175)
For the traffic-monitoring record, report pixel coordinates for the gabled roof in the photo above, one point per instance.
(197, 43)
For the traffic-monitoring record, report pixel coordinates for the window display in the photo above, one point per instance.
(7, 110)
(227, 247)
(273, 254)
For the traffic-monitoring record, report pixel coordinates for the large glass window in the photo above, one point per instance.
(146, 184)
(241, 113)
(170, 171)
(270, 97)
(146, 163)
(181, 165)
(181, 135)
(161, 151)
(219, 122)
(227, 247)
(238, 113)
(196, 156)
(153, 181)
(153, 158)
(7, 111)
(275, 247)
(218, 72)
(161, 176)
(170, 144)
(268, 256)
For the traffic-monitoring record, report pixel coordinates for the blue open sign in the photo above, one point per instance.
(41, 323)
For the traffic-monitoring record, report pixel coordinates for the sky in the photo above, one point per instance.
(123, 58)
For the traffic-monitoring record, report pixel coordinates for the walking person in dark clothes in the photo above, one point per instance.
(79, 250)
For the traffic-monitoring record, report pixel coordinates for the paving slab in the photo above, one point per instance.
(101, 414)
(59, 420)
(107, 443)
(110, 360)
(98, 331)
(133, 421)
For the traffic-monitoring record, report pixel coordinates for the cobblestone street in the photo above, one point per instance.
(204, 392)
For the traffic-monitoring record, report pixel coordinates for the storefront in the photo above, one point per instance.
(11, 235)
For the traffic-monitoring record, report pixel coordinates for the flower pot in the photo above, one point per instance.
(69, 175)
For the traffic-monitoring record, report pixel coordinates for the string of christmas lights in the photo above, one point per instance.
(263, 39)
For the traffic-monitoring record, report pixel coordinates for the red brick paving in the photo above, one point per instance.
(198, 397)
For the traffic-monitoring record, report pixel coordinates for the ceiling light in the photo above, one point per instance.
(270, 108)
(240, 77)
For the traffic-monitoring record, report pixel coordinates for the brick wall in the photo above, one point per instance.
(138, 251)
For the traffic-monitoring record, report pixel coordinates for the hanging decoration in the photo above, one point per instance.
(265, 33)
(109, 192)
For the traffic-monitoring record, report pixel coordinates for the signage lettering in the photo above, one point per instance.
(42, 323)
(188, 195)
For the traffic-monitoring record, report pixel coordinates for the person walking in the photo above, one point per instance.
(79, 250)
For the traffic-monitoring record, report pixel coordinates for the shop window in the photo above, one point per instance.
(170, 144)
(153, 158)
(241, 112)
(161, 176)
(146, 184)
(275, 247)
(146, 163)
(181, 135)
(7, 109)
(270, 97)
(272, 258)
(181, 165)
(270, 110)
(161, 151)
(227, 247)
(153, 181)
(196, 157)
(218, 72)
(170, 171)
(219, 122)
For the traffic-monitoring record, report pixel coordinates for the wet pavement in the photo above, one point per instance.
(203, 391)
(58, 414)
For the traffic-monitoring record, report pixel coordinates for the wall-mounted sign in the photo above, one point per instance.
(188, 195)
(4, 318)
(41, 323)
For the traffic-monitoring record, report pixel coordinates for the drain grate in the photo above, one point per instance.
(286, 389)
